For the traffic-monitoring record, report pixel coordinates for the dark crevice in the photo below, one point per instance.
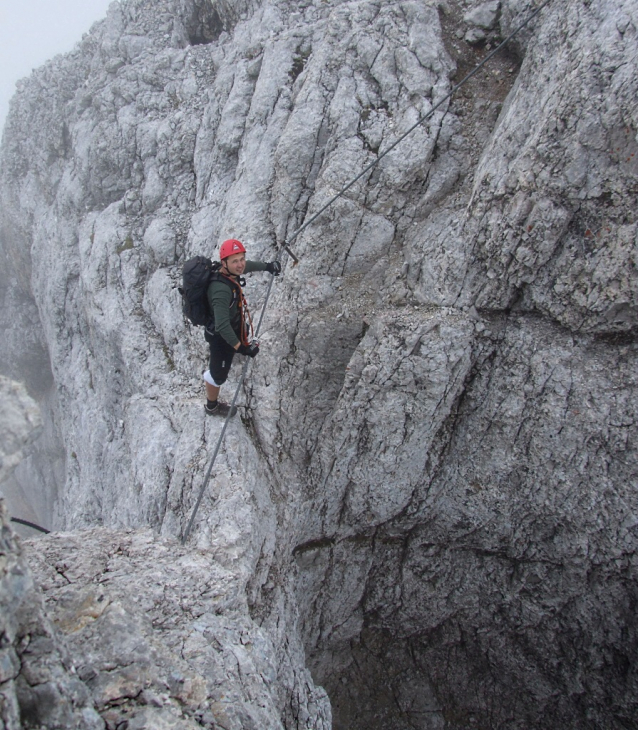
(302, 54)
(205, 24)
(320, 544)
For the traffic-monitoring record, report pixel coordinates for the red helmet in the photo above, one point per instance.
(229, 247)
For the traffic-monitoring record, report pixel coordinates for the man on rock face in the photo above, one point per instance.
(233, 329)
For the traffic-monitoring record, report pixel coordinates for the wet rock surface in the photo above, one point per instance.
(429, 497)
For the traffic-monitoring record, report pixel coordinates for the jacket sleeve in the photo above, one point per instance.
(219, 299)
(254, 266)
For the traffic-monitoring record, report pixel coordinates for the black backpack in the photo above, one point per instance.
(197, 275)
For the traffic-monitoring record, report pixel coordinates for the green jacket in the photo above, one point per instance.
(224, 305)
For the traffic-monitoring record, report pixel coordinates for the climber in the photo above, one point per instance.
(232, 325)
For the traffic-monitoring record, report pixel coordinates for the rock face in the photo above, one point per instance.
(432, 484)
(134, 631)
(21, 422)
(38, 686)
(162, 638)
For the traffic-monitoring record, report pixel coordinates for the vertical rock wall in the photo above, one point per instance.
(434, 469)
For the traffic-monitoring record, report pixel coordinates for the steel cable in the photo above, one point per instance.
(20, 521)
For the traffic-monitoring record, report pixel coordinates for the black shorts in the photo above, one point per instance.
(221, 357)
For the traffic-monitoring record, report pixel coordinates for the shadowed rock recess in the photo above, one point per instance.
(428, 506)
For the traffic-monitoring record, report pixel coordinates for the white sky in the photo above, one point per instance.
(33, 31)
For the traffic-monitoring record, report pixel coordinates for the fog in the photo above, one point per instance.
(33, 31)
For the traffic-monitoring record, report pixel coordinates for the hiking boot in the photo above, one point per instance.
(219, 408)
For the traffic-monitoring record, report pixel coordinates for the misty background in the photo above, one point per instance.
(33, 31)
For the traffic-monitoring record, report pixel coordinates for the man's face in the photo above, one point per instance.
(236, 264)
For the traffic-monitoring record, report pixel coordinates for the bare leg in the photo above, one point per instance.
(212, 391)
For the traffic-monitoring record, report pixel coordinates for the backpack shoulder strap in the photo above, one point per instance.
(217, 275)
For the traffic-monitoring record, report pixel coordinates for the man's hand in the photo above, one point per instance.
(274, 268)
(250, 350)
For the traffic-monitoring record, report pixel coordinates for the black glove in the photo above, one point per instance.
(251, 350)
(274, 268)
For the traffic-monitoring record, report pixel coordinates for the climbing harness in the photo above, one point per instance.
(247, 332)
(286, 244)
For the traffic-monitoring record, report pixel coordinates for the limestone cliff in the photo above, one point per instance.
(432, 485)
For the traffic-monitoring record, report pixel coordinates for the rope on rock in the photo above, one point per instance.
(286, 245)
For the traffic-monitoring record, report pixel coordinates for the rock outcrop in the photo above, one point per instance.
(38, 686)
(21, 423)
(133, 631)
(432, 484)
(161, 636)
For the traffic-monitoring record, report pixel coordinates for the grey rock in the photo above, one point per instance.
(159, 238)
(483, 16)
(21, 422)
(475, 36)
(37, 683)
(161, 634)
(428, 499)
